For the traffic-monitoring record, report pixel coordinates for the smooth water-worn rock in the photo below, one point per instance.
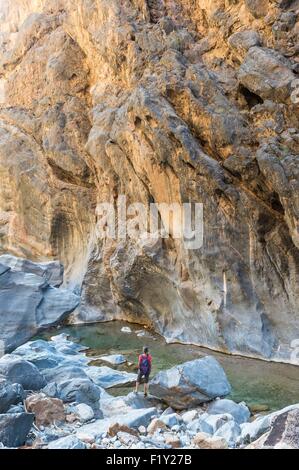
(69, 442)
(14, 428)
(114, 359)
(10, 394)
(106, 377)
(17, 370)
(56, 360)
(66, 371)
(239, 411)
(191, 383)
(29, 302)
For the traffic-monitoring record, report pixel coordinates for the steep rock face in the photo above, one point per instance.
(164, 101)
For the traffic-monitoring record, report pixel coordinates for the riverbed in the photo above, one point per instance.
(261, 384)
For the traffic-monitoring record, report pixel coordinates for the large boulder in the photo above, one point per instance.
(29, 302)
(239, 411)
(17, 370)
(10, 394)
(56, 355)
(80, 391)
(64, 372)
(14, 428)
(190, 384)
(254, 430)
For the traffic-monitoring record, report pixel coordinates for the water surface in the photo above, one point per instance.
(254, 381)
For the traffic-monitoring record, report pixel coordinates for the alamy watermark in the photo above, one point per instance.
(137, 221)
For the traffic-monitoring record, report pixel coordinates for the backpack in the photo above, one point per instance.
(144, 365)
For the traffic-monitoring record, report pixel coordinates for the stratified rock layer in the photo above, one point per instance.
(160, 101)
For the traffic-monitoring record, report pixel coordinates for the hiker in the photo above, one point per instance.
(144, 370)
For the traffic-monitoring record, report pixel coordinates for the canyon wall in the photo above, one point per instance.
(162, 101)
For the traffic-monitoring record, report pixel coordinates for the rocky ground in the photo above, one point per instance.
(51, 398)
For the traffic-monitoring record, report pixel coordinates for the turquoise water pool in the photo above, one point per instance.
(254, 381)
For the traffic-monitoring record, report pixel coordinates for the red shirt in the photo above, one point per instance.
(149, 357)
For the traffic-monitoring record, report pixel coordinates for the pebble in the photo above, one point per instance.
(126, 329)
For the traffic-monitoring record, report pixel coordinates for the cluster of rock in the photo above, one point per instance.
(163, 101)
(50, 397)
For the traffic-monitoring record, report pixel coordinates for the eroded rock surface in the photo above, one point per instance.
(29, 300)
(167, 102)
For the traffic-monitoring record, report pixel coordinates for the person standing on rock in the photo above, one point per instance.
(144, 369)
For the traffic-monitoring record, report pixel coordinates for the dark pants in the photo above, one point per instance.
(141, 375)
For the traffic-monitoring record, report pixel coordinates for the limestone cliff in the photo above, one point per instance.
(165, 101)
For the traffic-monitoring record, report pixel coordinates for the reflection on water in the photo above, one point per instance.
(253, 381)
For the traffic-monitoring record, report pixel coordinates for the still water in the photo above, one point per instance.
(256, 382)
